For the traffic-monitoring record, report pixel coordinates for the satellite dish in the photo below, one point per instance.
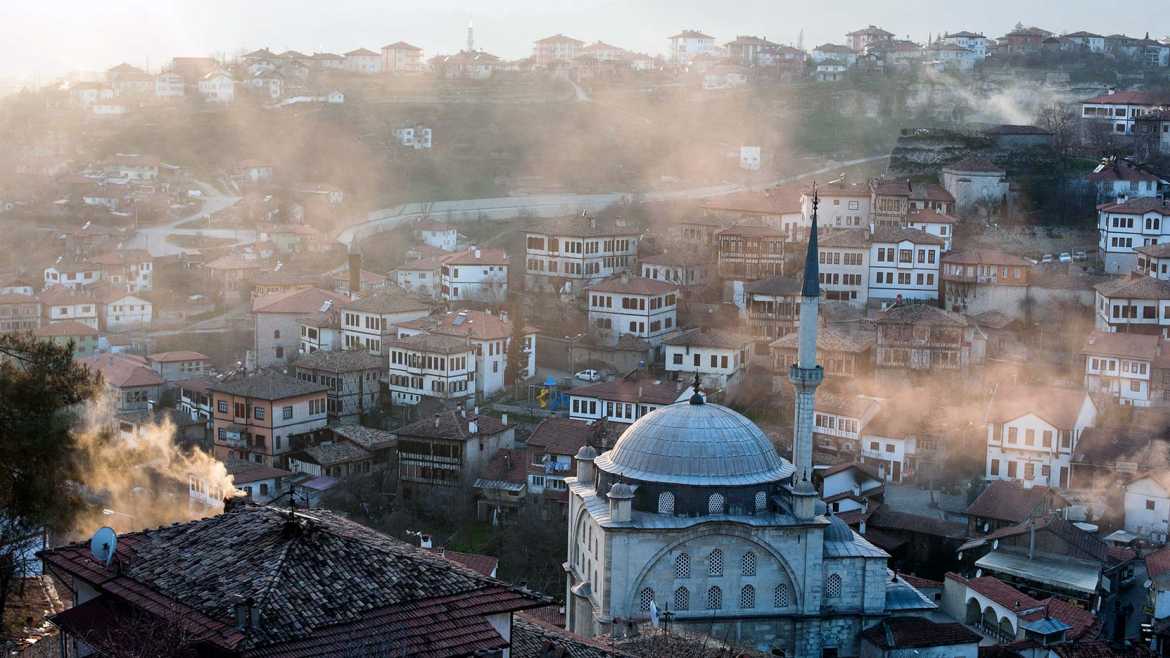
(103, 545)
(995, 544)
(1147, 584)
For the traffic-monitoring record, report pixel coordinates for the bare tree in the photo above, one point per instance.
(1062, 122)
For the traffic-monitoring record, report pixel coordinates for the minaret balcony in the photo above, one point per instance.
(806, 377)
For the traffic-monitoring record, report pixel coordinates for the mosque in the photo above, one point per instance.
(695, 516)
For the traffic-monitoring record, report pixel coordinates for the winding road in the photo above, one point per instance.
(154, 238)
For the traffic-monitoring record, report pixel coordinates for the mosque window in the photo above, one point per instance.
(781, 598)
(682, 566)
(682, 599)
(715, 504)
(714, 598)
(761, 501)
(749, 564)
(747, 597)
(833, 587)
(666, 503)
(645, 599)
(715, 563)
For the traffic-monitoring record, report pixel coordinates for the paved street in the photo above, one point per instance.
(154, 238)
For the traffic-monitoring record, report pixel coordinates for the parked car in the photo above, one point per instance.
(588, 375)
(1046, 258)
(1079, 254)
(1065, 257)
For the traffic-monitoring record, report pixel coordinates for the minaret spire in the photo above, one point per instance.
(805, 376)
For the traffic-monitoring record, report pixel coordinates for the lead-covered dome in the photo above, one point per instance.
(695, 444)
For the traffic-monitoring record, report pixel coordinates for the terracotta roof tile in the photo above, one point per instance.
(1006, 500)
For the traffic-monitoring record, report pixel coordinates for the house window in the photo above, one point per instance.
(1012, 434)
(258, 413)
(1150, 505)
(994, 468)
(678, 359)
(222, 406)
(286, 413)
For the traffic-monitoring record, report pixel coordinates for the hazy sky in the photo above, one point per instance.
(49, 37)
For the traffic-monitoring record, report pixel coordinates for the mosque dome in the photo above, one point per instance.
(695, 444)
(838, 530)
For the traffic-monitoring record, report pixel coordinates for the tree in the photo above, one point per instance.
(1063, 124)
(40, 390)
(516, 368)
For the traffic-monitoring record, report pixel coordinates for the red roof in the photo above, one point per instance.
(633, 285)
(66, 328)
(929, 216)
(1005, 500)
(302, 301)
(483, 564)
(176, 356)
(778, 200)
(121, 371)
(1057, 406)
(1158, 562)
(999, 591)
(484, 257)
(1129, 98)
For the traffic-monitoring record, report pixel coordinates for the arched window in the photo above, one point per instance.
(645, 599)
(682, 565)
(781, 598)
(666, 503)
(715, 563)
(276, 334)
(833, 587)
(715, 504)
(761, 501)
(747, 597)
(714, 598)
(749, 564)
(682, 599)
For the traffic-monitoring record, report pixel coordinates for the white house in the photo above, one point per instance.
(623, 400)
(904, 262)
(633, 305)
(843, 204)
(975, 42)
(489, 335)
(430, 366)
(363, 60)
(170, 85)
(848, 487)
(320, 331)
(935, 223)
(401, 57)
(1120, 179)
(121, 310)
(688, 44)
(1123, 366)
(131, 269)
(475, 274)
(839, 421)
(684, 268)
(1032, 432)
(277, 322)
(1147, 507)
(419, 277)
(437, 235)
(843, 259)
(1094, 43)
(367, 322)
(834, 53)
(720, 358)
(948, 56)
(569, 254)
(218, 87)
(1135, 303)
(72, 274)
(60, 303)
(1116, 112)
(417, 137)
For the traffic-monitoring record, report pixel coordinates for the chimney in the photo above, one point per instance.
(861, 527)
(472, 427)
(424, 541)
(436, 420)
(477, 253)
(1031, 539)
(585, 457)
(621, 499)
(504, 419)
(355, 268)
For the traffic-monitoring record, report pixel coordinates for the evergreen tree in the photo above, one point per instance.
(514, 371)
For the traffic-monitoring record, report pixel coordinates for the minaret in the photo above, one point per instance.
(470, 37)
(805, 376)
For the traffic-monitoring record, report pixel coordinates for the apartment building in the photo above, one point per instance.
(256, 417)
(1124, 226)
(570, 254)
(984, 280)
(645, 308)
(368, 322)
(429, 366)
(353, 380)
(843, 258)
(924, 338)
(904, 265)
(1115, 113)
(489, 335)
(475, 274)
(1132, 368)
(749, 252)
(773, 306)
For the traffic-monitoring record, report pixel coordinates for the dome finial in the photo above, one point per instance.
(697, 397)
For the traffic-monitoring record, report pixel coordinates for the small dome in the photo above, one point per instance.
(838, 530)
(621, 490)
(695, 444)
(586, 453)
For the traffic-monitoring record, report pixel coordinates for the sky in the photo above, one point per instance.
(48, 38)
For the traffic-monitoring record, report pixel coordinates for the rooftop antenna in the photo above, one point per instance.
(103, 545)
